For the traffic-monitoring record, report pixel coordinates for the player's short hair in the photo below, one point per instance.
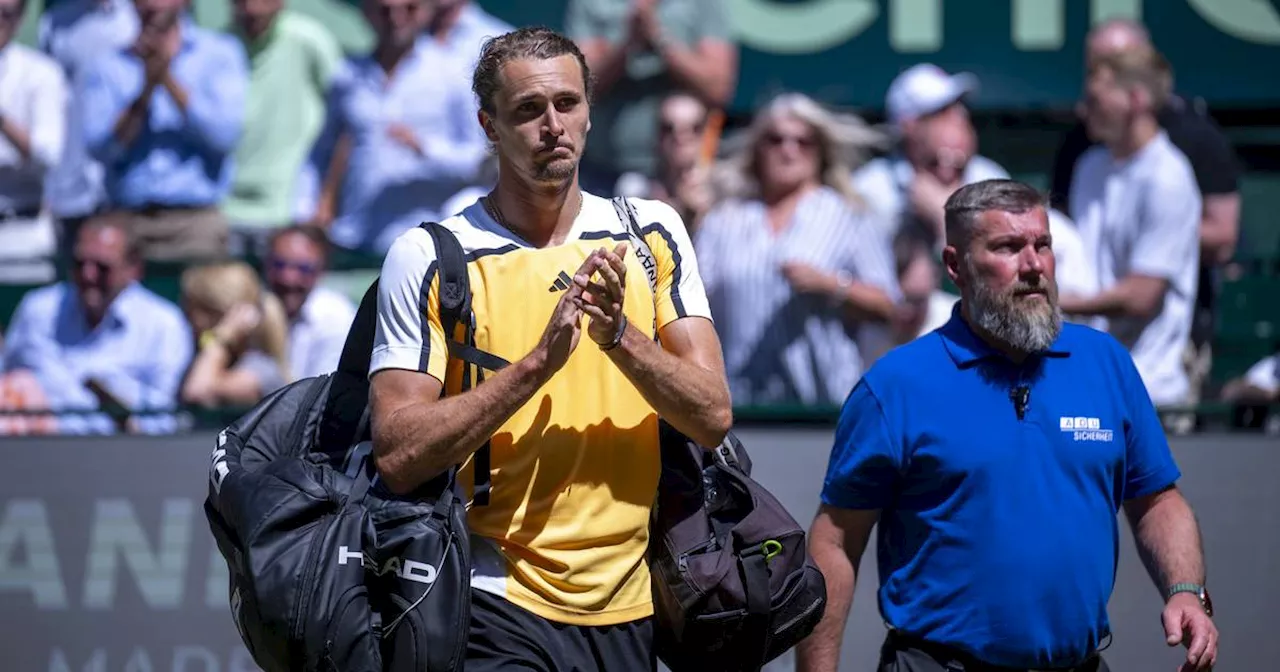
(528, 43)
(966, 205)
(1139, 67)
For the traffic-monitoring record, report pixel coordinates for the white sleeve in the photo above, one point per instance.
(409, 334)
(49, 112)
(1265, 375)
(982, 169)
(1074, 272)
(1168, 241)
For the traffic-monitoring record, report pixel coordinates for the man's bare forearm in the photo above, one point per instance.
(17, 136)
(1134, 296)
(179, 94)
(820, 651)
(130, 122)
(706, 77)
(694, 399)
(608, 61)
(864, 302)
(422, 440)
(1168, 539)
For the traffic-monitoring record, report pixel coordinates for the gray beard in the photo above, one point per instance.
(1025, 329)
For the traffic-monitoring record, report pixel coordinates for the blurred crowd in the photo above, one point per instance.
(132, 135)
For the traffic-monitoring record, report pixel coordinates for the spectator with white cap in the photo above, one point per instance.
(910, 185)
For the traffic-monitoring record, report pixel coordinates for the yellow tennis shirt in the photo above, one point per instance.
(575, 470)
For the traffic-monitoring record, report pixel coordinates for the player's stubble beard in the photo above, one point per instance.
(556, 171)
(1024, 324)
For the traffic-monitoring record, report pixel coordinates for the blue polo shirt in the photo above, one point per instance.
(999, 536)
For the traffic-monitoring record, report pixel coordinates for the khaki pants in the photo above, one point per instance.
(180, 234)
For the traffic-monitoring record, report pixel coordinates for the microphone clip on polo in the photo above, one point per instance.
(1021, 398)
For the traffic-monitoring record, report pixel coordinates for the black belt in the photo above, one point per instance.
(158, 208)
(952, 658)
(8, 214)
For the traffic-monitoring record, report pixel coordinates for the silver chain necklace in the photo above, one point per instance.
(491, 207)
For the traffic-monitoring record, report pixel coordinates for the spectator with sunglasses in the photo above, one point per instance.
(682, 179)
(318, 317)
(925, 107)
(102, 341)
(799, 280)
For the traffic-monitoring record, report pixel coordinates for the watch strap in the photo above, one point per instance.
(1176, 588)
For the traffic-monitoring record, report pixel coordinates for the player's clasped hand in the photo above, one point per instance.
(1186, 622)
(602, 301)
(564, 329)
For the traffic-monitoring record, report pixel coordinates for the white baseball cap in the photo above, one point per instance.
(924, 89)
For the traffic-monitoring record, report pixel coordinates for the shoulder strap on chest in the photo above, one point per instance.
(455, 309)
(455, 299)
(627, 213)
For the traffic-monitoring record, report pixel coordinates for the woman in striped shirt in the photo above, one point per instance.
(800, 284)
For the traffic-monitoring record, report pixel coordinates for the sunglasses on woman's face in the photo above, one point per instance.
(669, 128)
(775, 139)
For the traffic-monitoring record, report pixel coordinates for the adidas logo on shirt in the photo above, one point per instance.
(562, 283)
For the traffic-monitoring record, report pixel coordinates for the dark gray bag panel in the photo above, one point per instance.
(734, 586)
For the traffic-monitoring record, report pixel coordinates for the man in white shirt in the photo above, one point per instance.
(33, 113)
(319, 317)
(925, 105)
(100, 341)
(1259, 385)
(1137, 208)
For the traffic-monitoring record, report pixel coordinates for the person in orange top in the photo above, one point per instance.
(559, 577)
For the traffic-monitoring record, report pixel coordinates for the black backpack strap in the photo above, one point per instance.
(358, 349)
(455, 309)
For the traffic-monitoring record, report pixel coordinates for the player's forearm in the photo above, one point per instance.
(694, 399)
(422, 440)
(17, 136)
(1168, 539)
(820, 651)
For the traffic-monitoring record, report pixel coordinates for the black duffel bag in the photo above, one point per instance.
(329, 571)
(328, 574)
(734, 586)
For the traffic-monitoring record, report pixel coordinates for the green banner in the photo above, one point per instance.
(1027, 53)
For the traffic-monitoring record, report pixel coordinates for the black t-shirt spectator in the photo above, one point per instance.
(1190, 129)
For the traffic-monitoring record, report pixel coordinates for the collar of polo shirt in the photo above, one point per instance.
(967, 348)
